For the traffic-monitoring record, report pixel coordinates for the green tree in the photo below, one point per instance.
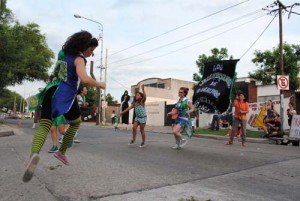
(8, 98)
(24, 52)
(217, 55)
(268, 65)
(110, 100)
(6, 15)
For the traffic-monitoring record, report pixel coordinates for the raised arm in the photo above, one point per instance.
(127, 109)
(83, 76)
(144, 92)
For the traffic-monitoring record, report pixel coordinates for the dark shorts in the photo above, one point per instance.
(72, 114)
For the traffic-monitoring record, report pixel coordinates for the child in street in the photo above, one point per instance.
(140, 116)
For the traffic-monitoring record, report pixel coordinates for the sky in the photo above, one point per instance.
(157, 38)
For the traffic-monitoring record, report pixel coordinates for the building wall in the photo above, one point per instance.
(252, 89)
(168, 94)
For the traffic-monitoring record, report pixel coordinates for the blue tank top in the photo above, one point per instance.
(66, 92)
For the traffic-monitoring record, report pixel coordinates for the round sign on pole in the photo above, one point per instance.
(283, 82)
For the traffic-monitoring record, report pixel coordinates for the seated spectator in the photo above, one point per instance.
(224, 123)
(273, 129)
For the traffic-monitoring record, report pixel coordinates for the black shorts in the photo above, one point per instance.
(72, 114)
(173, 121)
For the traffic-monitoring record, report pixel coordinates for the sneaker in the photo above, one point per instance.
(182, 142)
(176, 146)
(53, 149)
(131, 142)
(33, 126)
(61, 157)
(76, 141)
(142, 145)
(229, 143)
(34, 159)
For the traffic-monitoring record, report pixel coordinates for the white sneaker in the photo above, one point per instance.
(76, 141)
(142, 145)
(176, 146)
(182, 142)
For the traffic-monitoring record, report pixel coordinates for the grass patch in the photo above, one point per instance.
(223, 132)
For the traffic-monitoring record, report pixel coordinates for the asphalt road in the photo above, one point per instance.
(104, 167)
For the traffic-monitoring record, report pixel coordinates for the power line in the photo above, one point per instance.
(258, 37)
(191, 36)
(193, 43)
(179, 27)
(118, 82)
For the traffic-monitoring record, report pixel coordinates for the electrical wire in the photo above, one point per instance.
(125, 87)
(196, 43)
(258, 37)
(191, 36)
(212, 14)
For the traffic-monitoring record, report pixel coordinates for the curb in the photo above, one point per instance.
(216, 137)
(6, 131)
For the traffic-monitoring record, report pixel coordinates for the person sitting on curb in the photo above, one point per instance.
(273, 130)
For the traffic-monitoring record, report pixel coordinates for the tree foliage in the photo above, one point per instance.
(8, 98)
(268, 65)
(217, 55)
(110, 100)
(24, 52)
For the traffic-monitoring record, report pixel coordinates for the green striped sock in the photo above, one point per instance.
(69, 135)
(40, 135)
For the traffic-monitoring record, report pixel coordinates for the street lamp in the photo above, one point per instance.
(99, 109)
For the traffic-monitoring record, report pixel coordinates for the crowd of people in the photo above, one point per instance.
(61, 108)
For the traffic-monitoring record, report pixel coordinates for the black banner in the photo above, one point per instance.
(213, 92)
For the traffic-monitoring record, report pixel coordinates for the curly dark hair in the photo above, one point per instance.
(79, 42)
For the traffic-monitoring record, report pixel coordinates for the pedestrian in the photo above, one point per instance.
(240, 117)
(37, 116)
(113, 117)
(215, 123)
(58, 124)
(81, 98)
(290, 113)
(124, 105)
(183, 123)
(140, 116)
(62, 100)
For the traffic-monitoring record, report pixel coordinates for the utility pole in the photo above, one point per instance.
(104, 94)
(14, 108)
(281, 64)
